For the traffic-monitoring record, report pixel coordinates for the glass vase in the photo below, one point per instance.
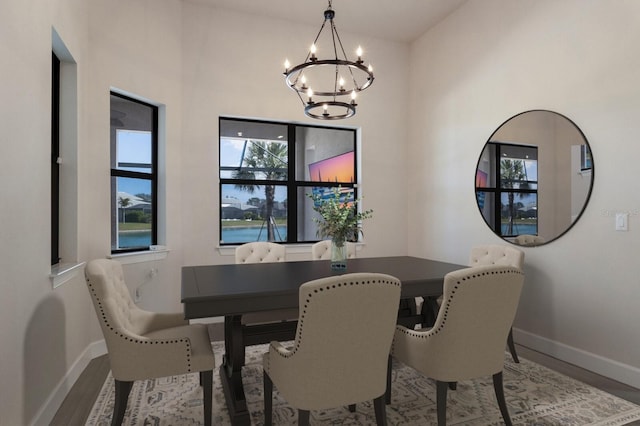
(338, 255)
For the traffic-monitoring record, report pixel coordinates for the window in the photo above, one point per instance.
(507, 188)
(267, 172)
(134, 153)
(55, 154)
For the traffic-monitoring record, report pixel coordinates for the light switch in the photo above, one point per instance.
(622, 221)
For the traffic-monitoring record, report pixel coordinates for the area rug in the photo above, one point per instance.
(535, 395)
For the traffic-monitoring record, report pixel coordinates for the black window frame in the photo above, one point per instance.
(152, 177)
(498, 189)
(55, 154)
(292, 184)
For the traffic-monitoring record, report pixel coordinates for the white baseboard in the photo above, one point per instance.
(612, 369)
(53, 403)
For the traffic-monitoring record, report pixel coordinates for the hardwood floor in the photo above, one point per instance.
(76, 407)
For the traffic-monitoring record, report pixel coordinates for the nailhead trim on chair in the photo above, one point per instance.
(319, 290)
(138, 341)
(426, 334)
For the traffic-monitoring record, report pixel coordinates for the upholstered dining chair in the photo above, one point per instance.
(468, 338)
(322, 250)
(499, 254)
(142, 344)
(340, 355)
(528, 240)
(260, 251)
(264, 252)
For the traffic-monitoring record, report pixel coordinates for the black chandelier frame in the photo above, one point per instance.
(329, 100)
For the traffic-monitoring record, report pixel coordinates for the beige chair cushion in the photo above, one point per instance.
(496, 254)
(143, 344)
(469, 336)
(342, 342)
(260, 251)
(322, 250)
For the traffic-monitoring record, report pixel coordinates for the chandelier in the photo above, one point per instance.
(330, 85)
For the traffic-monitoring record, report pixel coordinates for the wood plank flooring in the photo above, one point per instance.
(76, 407)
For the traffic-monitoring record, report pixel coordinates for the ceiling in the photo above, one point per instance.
(396, 20)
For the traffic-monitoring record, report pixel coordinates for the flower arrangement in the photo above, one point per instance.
(341, 220)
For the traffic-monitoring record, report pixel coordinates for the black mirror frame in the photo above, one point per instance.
(588, 195)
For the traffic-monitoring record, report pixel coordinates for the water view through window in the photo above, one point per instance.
(133, 174)
(267, 171)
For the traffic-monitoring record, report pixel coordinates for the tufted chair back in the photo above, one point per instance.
(528, 240)
(468, 338)
(322, 250)
(342, 342)
(111, 297)
(496, 254)
(260, 251)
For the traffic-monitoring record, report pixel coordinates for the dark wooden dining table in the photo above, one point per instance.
(236, 289)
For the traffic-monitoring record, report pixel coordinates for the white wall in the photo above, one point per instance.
(232, 65)
(493, 59)
(43, 332)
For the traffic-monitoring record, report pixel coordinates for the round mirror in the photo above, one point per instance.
(534, 177)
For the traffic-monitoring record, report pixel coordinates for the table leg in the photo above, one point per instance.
(230, 371)
(430, 310)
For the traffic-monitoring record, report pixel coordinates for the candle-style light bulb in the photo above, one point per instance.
(341, 84)
(353, 97)
(325, 107)
(359, 53)
(313, 52)
(303, 80)
(310, 95)
(286, 65)
(370, 68)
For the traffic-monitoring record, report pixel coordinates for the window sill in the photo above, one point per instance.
(140, 256)
(63, 272)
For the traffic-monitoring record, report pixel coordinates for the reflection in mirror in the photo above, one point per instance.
(534, 177)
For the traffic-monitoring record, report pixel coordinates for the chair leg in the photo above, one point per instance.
(268, 399)
(303, 417)
(441, 402)
(123, 389)
(502, 403)
(352, 408)
(387, 394)
(512, 346)
(380, 410)
(206, 379)
(453, 385)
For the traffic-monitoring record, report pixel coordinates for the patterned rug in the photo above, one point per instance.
(535, 396)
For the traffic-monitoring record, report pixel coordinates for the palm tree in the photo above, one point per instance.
(124, 203)
(266, 160)
(511, 172)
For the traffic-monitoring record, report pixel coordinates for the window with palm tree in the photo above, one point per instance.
(134, 174)
(507, 188)
(267, 170)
